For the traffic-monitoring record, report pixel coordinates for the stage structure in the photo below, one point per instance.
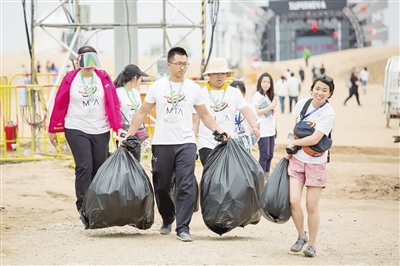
(125, 26)
(322, 26)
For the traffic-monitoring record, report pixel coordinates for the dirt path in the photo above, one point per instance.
(359, 223)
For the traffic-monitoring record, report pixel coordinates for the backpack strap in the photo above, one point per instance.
(304, 110)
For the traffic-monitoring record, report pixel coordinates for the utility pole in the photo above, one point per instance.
(77, 20)
(33, 78)
(125, 37)
(164, 23)
(32, 51)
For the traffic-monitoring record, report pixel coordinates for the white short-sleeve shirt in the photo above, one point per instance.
(130, 101)
(267, 124)
(87, 106)
(223, 108)
(174, 123)
(323, 119)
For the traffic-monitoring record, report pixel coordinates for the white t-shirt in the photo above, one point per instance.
(323, 119)
(364, 75)
(281, 88)
(174, 124)
(223, 108)
(87, 113)
(130, 101)
(267, 124)
(293, 85)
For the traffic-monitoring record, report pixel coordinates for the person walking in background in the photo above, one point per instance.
(354, 80)
(287, 74)
(314, 71)
(306, 55)
(85, 108)
(174, 143)
(364, 76)
(266, 144)
(281, 91)
(322, 69)
(301, 74)
(38, 67)
(127, 84)
(294, 86)
(48, 66)
(223, 102)
(305, 169)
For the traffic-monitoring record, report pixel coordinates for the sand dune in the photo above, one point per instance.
(337, 64)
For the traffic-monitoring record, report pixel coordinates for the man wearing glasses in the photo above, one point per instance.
(174, 144)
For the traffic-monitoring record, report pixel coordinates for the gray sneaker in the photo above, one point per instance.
(165, 229)
(184, 237)
(298, 246)
(310, 251)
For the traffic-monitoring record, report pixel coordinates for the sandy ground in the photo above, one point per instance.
(359, 209)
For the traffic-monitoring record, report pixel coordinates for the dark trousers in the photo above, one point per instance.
(353, 91)
(292, 99)
(282, 103)
(177, 161)
(89, 152)
(203, 153)
(266, 147)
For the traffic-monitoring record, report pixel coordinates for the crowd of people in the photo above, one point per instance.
(89, 103)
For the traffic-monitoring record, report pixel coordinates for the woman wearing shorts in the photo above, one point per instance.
(308, 169)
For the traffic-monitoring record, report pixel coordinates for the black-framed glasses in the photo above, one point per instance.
(324, 77)
(180, 64)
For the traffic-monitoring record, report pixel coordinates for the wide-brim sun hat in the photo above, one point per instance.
(218, 65)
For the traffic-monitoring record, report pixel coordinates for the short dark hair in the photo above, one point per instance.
(86, 49)
(324, 79)
(240, 85)
(270, 93)
(176, 50)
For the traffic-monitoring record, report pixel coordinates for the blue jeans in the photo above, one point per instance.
(282, 102)
(291, 99)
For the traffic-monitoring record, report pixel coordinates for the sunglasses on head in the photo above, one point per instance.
(324, 77)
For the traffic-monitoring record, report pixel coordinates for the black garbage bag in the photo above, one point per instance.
(230, 188)
(120, 193)
(274, 201)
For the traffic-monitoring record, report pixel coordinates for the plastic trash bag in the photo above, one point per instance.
(245, 141)
(230, 188)
(120, 193)
(274, 201)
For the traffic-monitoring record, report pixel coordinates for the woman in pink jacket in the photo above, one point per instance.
(86, 107)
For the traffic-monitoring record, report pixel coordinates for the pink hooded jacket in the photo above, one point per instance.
(61, 102)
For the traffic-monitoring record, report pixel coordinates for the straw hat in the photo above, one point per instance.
(218, 65)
